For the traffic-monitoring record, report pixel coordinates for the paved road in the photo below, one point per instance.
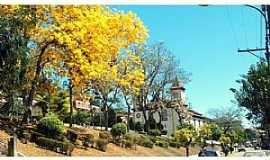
(237, 154)
(240, 154)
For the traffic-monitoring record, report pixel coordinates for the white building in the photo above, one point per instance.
(169, 116)
(85, 105)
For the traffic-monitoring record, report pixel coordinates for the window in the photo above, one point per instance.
(164, 115)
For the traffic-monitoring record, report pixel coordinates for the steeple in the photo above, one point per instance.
(178, 90)
(177, 85)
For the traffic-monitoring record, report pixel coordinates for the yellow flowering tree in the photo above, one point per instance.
(224, 139)
(92, 38)
(186, 134)
(131, 79)
(204, 133)
(81, 43)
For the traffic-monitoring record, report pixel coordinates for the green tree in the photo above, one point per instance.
(251, 134)
(227, 118)
(60, 104)
(82, 117)
(14, 58)
(118, 130)
(254, 94)
(43, 102)
(216, 132)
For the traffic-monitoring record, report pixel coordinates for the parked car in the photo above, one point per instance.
(255, 154)
(208, 153)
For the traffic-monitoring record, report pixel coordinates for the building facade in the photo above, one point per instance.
(178, 111)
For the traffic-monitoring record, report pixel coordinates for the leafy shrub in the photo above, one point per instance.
(131, 137)
(101, 144)
(88, 140)
(129, 144)
(119, 129)
(57, 146)
(105, 135)
(51, 126)
(138, 126)
(174, 144)
(61, 138)
(72, 135)
(154, 132)
(153, 139)
(148, 144)
(163, 144)
(145, 141)
(35, 135)
(162, 139)
(82, 117)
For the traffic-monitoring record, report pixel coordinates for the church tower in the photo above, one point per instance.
(178, 91)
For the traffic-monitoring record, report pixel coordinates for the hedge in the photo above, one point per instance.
(174, 144)
(35, 135)
(154, 132)
(88, 140)
(101, 144)
(105, 135)
(145, 141)
(54, 145)
(163, 144)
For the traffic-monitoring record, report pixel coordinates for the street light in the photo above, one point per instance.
(266, 32)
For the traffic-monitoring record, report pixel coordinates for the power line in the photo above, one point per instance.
(231, 26)
(244, 27)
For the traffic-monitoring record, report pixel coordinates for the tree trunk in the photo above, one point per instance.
(187, 151)
(71, 105)
(146, 124)
(106, 118)
(128, 116)
(34, 83)
(128, 119)
(159, 122)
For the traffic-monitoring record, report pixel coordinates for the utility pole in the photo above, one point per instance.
(266, 9)
(265, 12)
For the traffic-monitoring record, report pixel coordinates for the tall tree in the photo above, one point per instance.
(186, 134)
(254, 94)
(78, 42)
(14, 52)
(160, 68)
(227, 119)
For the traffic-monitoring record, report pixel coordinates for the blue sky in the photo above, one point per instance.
(205, 40)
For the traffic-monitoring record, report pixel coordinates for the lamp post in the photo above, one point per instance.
(267, 55)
